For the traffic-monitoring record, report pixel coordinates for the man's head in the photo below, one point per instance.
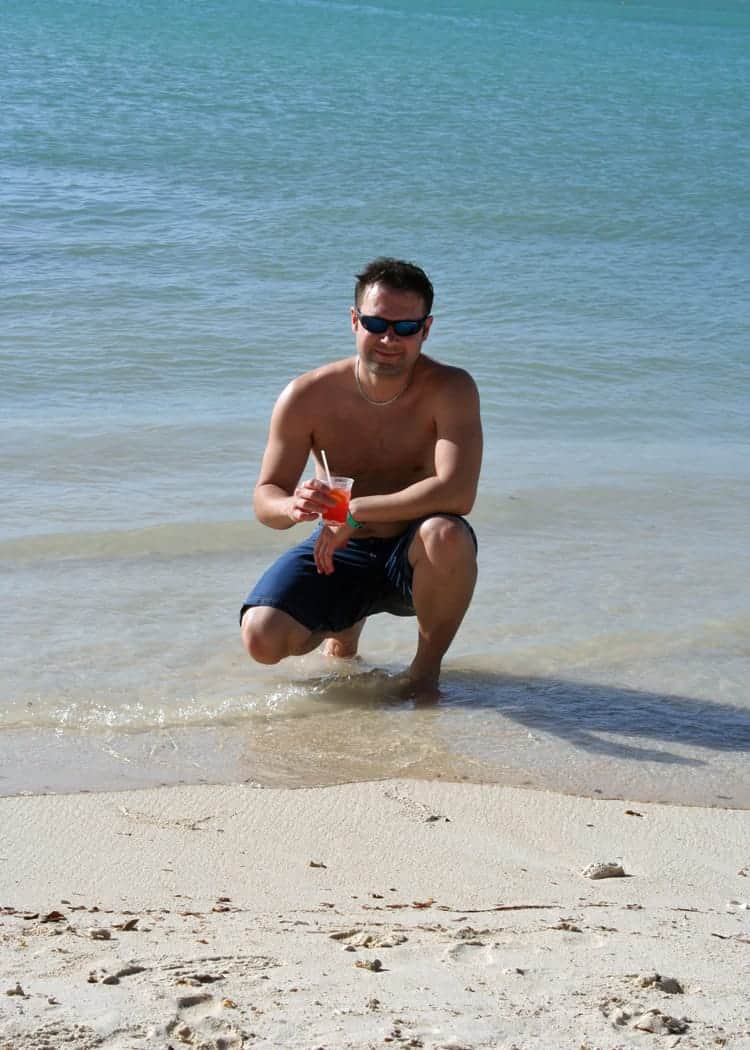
(397, 276)
(391, 317)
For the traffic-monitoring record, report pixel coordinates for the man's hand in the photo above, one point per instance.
(309, 501)
(332, 538)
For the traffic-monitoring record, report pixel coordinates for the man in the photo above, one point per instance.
(407, 429)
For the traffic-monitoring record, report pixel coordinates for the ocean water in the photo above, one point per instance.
(186, 190)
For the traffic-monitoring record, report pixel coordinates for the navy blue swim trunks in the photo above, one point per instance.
(371, 576)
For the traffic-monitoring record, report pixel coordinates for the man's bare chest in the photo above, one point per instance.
(384, 451)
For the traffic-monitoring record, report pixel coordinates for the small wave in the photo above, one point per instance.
(174, 539)
(361, 688)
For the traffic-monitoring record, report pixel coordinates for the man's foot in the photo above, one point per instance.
(344, 644)
(422, 688)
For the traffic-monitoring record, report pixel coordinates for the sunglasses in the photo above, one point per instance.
(379, 325)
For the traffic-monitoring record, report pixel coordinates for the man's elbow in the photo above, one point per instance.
(258, 506)
(464, 501)
(264, 512)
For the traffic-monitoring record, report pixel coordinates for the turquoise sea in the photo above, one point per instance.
(186, 190)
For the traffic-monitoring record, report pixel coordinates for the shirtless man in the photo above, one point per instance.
(407, 429)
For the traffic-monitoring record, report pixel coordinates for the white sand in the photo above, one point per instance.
(215, 917)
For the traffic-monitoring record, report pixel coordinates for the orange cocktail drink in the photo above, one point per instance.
(340, 489)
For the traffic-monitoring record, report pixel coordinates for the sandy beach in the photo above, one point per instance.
(401, 913)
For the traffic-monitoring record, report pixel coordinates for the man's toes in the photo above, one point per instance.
(341, 650)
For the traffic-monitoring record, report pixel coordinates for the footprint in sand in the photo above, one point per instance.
(415, 809)
(476, 952)
(200, 1023)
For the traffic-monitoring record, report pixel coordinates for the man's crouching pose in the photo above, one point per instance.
(407, 429)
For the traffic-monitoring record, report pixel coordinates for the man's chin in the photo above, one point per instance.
(382, 367)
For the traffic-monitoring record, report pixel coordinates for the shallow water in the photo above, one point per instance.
(575, 736)
(183, 224)
(583, 664)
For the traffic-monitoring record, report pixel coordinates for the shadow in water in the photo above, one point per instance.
(586, 715)
(579, 712)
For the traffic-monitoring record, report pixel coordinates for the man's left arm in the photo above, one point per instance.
(452, 488)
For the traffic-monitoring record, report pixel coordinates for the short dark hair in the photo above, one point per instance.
(397, 275)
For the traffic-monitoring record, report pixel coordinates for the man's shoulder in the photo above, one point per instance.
(446, 377)
(322, 378)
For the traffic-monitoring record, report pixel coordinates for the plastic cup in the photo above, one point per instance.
(341, 490)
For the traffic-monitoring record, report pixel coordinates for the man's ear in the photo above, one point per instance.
(355, 319)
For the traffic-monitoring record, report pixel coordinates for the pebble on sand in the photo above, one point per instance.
(657, 1023)
(604, 869)
(664, 984)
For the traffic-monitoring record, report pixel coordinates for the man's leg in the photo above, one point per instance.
(270, 635)
(444, 562)
(344, 644)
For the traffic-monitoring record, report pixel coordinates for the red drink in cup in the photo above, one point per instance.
(340, 489)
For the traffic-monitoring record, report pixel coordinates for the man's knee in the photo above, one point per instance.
(445, 542)
(262, 636)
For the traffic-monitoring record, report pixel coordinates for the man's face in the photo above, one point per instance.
(389, 355)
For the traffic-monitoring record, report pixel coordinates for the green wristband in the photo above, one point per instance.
(351, 521)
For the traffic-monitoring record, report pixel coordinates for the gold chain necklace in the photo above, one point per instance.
(369, 400)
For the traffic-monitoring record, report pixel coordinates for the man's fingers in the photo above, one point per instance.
(311, 501)
(324, 553)
(317, 493)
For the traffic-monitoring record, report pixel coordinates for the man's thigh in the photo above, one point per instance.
(400, 564)
(319, 602)
(449, 532)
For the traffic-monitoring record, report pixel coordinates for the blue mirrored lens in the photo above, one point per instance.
(406, 327)
(378, 325)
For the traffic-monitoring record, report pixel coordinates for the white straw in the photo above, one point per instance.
(325, 464)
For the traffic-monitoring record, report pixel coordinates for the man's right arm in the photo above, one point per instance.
(279, 501)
